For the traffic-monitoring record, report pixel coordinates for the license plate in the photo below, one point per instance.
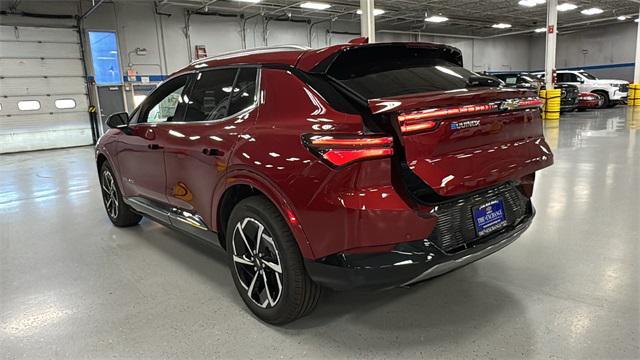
(489, 217)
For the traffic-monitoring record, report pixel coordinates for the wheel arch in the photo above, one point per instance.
(100, 159)
(240, 186)
(600, 91)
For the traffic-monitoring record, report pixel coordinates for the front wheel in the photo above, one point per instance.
(266, 265)
(119, 213)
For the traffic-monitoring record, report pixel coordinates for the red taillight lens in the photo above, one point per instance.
(429, 119)
(332, 141)
(530, 103)
(340, 150)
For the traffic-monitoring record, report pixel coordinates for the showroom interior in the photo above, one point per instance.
(73, 285)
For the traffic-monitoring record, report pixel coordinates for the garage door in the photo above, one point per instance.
(43, 95)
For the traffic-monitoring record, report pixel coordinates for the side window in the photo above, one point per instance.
(210, 96)
(573, 78)
(163, 103)
(563, 77)
(244, 91)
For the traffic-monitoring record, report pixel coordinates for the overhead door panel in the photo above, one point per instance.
(43, 34)
(40, 68)
(43, 94)
(48, 105)
(41, 86)
(37, 50)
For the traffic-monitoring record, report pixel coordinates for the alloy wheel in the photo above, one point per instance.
(257, 262)
(109, 194)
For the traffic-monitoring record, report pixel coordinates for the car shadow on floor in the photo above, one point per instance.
(207, 259)
(458, 306)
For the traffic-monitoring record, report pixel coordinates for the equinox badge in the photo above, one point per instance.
(464, 124)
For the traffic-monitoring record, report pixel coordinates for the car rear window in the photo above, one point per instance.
(377, 72)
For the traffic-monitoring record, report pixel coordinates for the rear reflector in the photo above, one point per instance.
(428, 119)
(340, 150)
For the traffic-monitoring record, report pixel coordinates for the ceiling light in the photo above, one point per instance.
(539, 30)
(637, 20)
(248, 1)
(436, 19)
(315, 5)
(527, 3)
(622, 18)
(567, 7)
(376, 12)
(501, 26)
(592, 11)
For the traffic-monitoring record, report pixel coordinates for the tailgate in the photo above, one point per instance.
(472, 139)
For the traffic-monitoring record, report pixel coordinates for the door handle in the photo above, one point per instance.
(154, 147)
(212, 152)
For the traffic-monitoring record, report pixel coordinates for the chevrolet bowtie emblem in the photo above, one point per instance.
(510, 104)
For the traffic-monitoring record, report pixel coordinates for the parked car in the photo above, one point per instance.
(589, 101)
(358, 166)
(613, 91)
(569, 93)
(520, 80)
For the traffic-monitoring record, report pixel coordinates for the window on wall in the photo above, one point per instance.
(28, 105)
(65, 104)
(104, 57)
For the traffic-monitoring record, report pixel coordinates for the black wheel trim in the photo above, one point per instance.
(109, 194)
(257, 263)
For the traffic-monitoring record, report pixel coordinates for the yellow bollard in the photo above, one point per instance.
(551, 109)
(633, 98)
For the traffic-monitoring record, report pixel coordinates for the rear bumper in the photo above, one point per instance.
(407, 264)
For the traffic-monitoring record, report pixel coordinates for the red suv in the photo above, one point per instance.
(357, 166)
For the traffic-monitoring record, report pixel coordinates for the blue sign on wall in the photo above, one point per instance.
(104, 56)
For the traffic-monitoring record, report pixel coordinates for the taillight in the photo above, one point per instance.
(530, 103)
(340, 150)
(429, 119)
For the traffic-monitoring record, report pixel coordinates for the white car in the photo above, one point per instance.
(613, 91)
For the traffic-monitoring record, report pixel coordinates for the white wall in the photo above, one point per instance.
(509, 53)
(604, 45)
(168, 50)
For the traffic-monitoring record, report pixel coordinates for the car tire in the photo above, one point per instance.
(120, 214)
(266, 264)
(605, 96)
(612, 104)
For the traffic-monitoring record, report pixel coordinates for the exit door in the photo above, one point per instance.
(111, 101)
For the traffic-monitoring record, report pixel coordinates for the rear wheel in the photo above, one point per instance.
(266, 265)
(119, 213)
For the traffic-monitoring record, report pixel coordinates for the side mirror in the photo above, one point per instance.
(118, 120)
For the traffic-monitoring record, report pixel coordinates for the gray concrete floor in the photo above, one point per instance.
(74, 286)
